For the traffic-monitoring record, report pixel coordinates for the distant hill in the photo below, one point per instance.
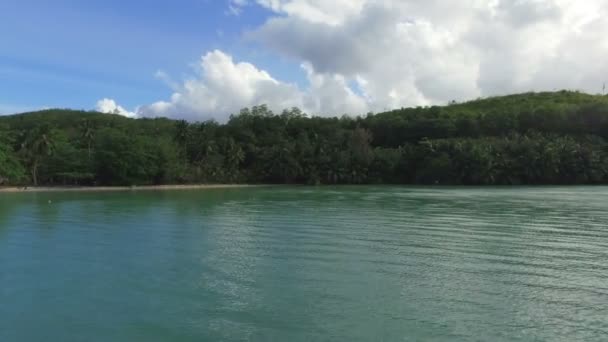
(532, 138)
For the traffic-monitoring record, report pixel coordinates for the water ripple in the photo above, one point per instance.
(300, 264)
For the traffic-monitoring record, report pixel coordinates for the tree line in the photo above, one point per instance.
(532, 138)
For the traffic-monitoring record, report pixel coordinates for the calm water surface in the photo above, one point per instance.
(306, 264)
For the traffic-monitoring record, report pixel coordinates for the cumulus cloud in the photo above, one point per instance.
(333, 12)
(222, 87)
(411, 52)
(235, 7)
(372, 55)
(110, 106)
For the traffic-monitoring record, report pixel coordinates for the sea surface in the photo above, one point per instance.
(306, 264)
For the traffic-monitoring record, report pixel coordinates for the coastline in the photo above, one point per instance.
(15, 189)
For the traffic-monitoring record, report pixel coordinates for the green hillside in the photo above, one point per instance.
(532, 138)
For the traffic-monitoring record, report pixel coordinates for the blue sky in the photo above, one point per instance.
(71, 53)
(325, 57)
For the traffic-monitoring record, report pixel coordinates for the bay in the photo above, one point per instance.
(368, 263)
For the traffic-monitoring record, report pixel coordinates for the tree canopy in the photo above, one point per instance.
(532, 138)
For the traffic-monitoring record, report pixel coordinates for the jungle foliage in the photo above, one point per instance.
(533, 138)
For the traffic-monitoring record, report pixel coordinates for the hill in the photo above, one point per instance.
(532, 138)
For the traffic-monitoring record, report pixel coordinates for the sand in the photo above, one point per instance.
(122, 188)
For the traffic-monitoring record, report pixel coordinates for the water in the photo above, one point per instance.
(306, 264)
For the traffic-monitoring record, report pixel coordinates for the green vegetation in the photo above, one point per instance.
(534, 138)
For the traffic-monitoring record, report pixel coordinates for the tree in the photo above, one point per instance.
(234, 156)
(182, 137)
(11, 170)
(361, 154)
(87, 134)
(532, 138)
(37, 144)
(69, 164)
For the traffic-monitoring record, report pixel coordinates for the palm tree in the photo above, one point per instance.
(234, 158)
(88, 134)
(181, 138)
(36, 145)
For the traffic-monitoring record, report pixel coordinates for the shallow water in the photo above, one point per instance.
(306, 264)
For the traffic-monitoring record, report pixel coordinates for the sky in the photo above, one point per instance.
(206, 59)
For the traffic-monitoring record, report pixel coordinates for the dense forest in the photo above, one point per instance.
(533, 138)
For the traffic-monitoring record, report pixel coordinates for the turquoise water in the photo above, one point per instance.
(306, 264)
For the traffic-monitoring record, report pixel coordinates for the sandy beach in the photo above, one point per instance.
(122, 188)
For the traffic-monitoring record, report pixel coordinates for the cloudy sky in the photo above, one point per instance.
(202, 59)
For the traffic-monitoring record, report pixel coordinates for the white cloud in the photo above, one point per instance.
(332, 12)
(110, 106)
(222, 87)
(331, 95)
(235, 7)
(320, 11)
(412, 52)
(372, 55)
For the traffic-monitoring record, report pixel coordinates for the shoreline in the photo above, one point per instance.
(183, 187)
(15, 189)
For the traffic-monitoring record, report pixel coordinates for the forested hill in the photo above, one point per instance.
(534, 138)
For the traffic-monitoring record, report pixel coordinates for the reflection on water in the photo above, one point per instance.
(301, 264)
